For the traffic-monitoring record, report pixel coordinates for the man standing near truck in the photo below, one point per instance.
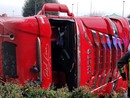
(125, 60)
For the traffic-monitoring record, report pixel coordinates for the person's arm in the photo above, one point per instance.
(121, 62)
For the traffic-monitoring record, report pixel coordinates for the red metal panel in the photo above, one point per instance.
(91, 34)
(104, 89)
(97, 59)
(120, 28)
(120, 48)
(104, 57)
(95, 23)
(108, 58)
(114, 56)
(119, 85)
(45, 37)
(52, 7)
(109, 26)
(97, 52)
(85, 54)
(123, 28)
(25, 31)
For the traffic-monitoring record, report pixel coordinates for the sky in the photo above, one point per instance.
(11, 7)
(78, 7)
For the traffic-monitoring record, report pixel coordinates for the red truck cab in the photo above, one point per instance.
(59, 50)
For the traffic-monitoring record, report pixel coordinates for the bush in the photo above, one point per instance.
(12, 90)
(82, 92)
(59, 93)
(29, 91)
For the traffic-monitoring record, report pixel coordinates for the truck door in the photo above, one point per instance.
(44, 50)
(45, 37)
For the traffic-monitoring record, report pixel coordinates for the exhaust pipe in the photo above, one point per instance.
(39, 58)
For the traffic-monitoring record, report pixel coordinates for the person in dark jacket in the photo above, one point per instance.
(125, 60)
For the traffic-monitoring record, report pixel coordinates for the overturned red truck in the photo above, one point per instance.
(59, 50)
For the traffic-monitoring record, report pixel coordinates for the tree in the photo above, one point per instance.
(32, 7)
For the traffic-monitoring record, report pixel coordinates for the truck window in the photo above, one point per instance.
(9, 59)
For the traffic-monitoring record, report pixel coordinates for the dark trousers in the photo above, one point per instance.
(128, 91)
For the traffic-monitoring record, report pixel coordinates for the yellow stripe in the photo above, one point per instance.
(121, 70)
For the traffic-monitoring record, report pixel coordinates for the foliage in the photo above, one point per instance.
(82, 92)
(115, 95)
(12, 90)
(59, 93)
(29, 8)
(29, 91)
(32, 7)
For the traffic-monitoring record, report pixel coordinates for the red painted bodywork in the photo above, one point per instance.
(97, 48)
